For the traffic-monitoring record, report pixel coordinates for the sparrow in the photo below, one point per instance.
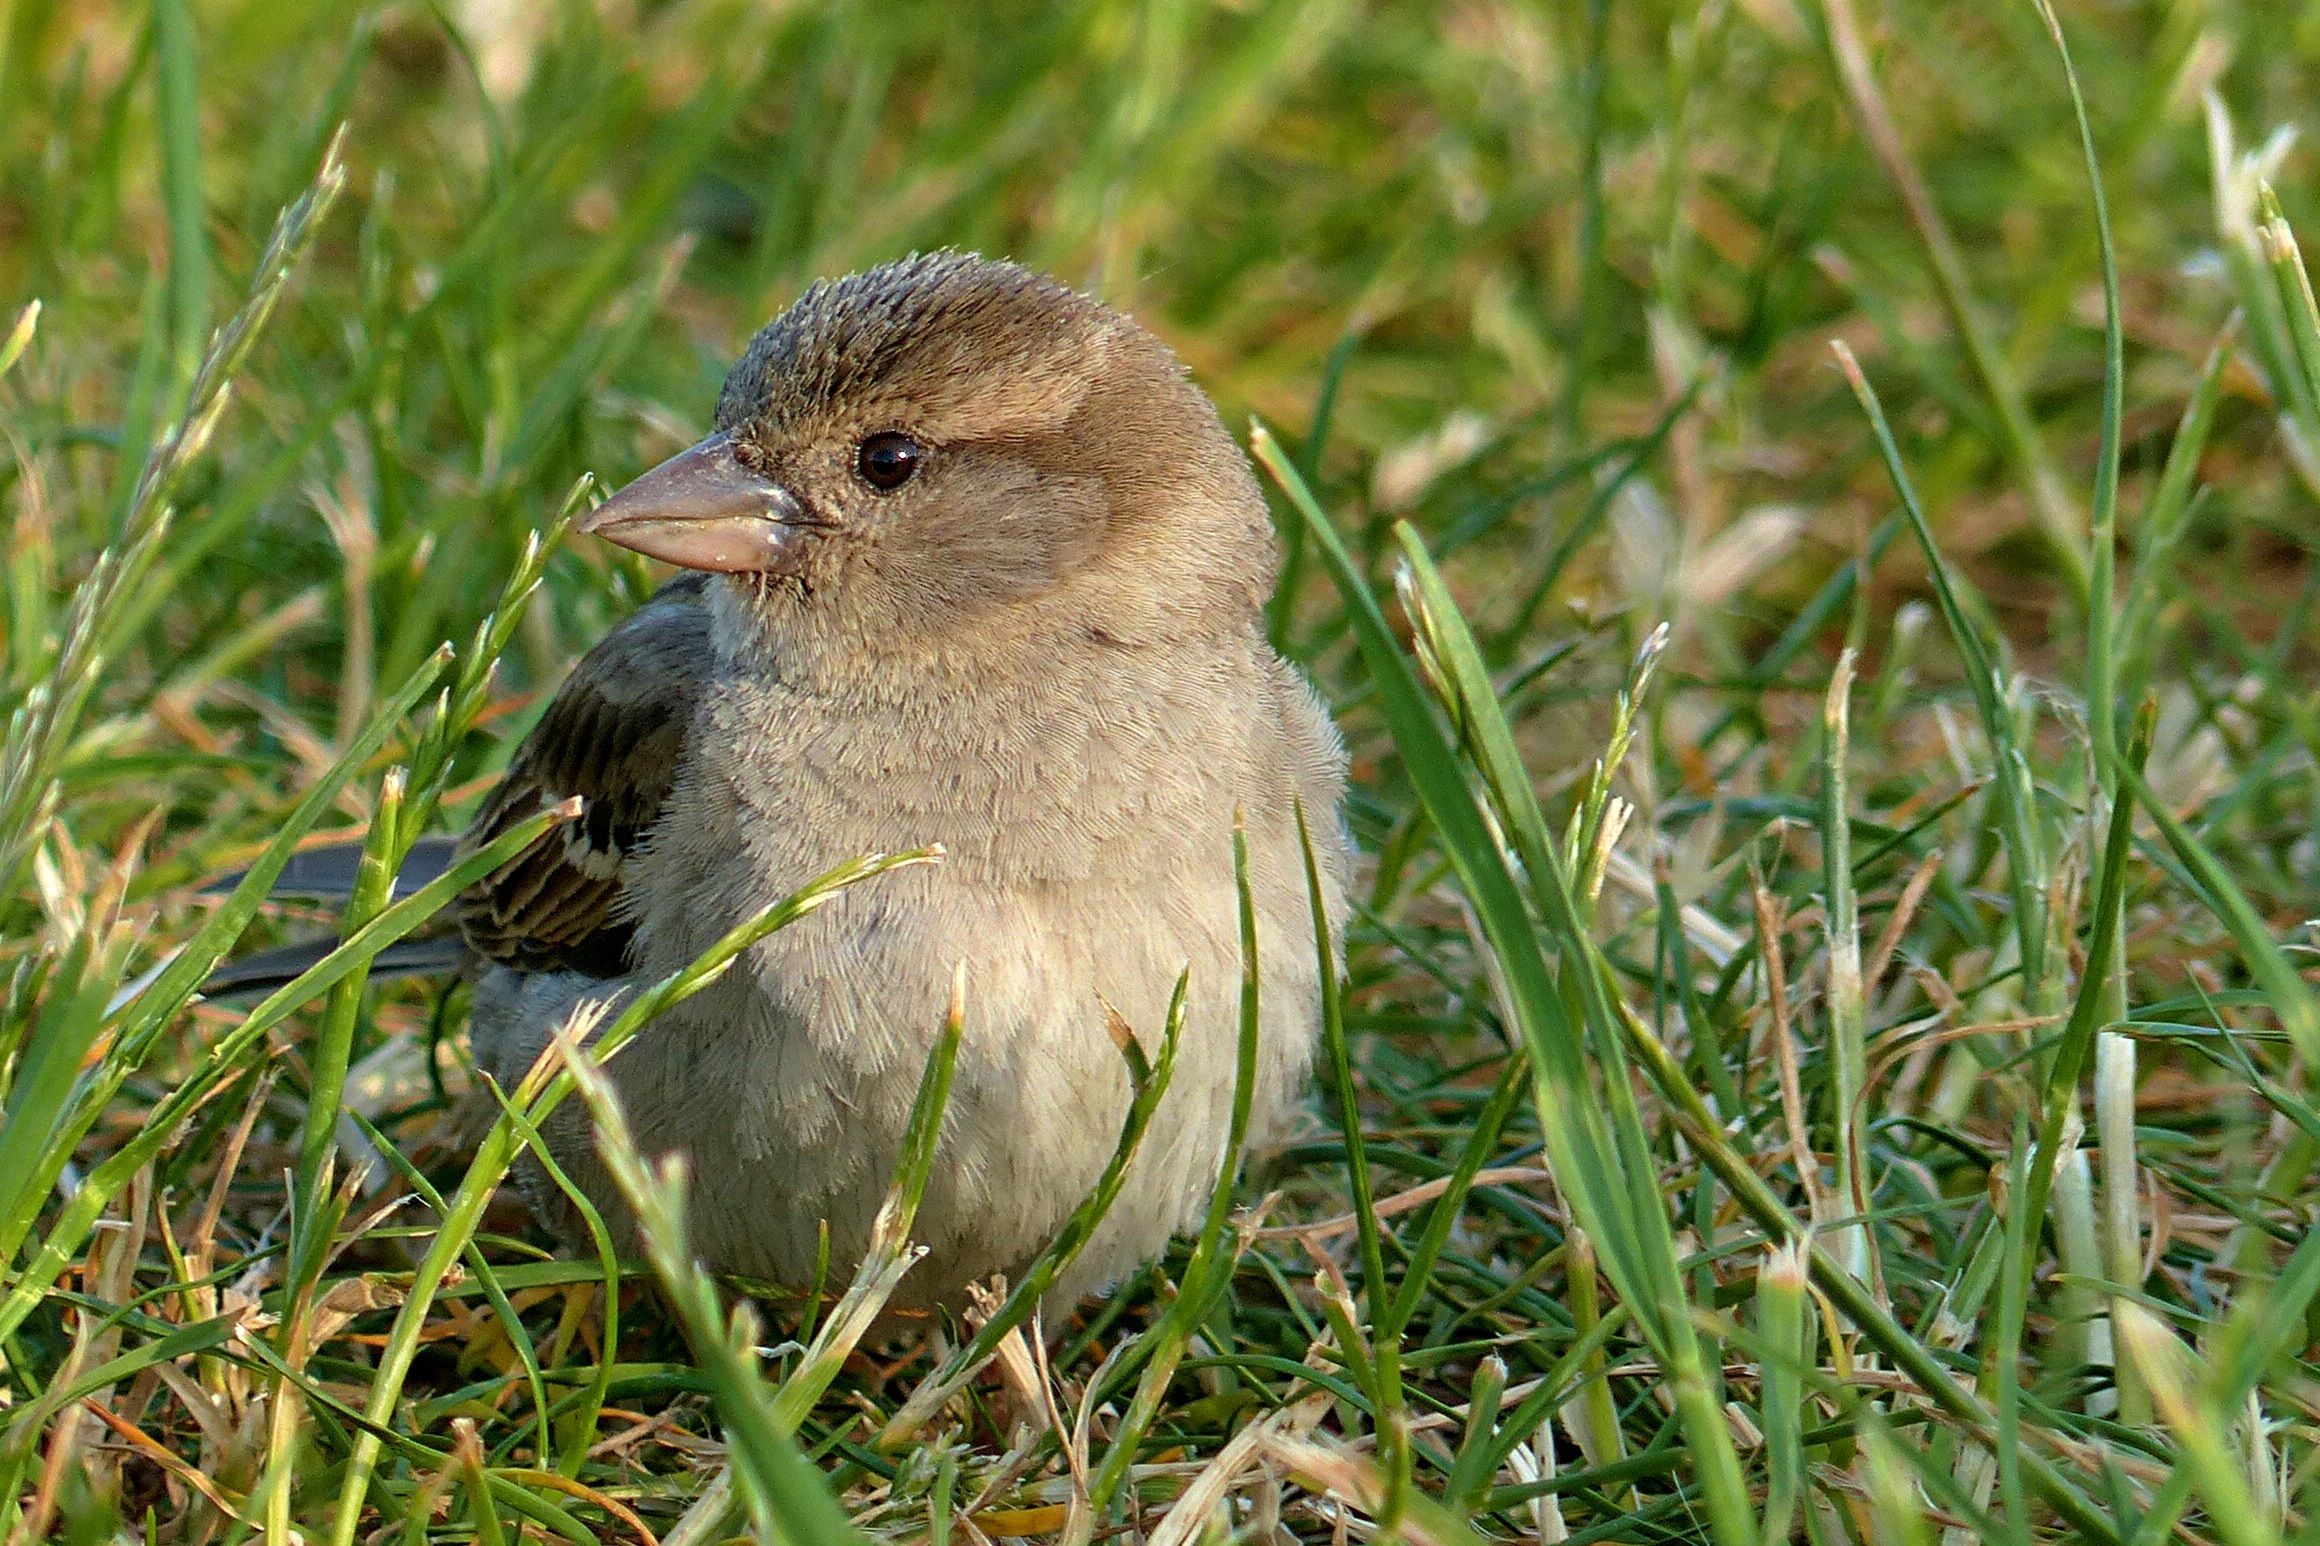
(967, 561)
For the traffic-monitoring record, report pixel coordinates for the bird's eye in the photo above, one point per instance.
(887, 461)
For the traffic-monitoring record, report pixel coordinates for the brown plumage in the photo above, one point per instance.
(613, 735)
(979, 567)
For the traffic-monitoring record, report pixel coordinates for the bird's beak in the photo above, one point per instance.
(702, 509)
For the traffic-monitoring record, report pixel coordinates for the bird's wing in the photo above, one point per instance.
(614, 736)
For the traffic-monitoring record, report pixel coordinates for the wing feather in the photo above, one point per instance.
(614, 736)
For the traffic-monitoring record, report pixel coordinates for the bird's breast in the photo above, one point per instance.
(1087, 863)
(1086, 839)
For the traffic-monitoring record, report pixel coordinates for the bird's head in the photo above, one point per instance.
(948, 443)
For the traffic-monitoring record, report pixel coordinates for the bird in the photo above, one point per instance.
(968, 560)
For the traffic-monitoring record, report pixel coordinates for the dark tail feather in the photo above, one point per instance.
(424, 956)
(326, 874)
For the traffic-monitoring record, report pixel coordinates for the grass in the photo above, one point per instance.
(1808, 537)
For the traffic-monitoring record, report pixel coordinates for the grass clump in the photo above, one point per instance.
(1804, 512)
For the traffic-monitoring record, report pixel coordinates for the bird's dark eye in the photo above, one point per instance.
(887, 461)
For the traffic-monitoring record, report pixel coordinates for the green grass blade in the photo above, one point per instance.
(19, 337)
(1784, 1321)
(2166, 518)
(1209, 1272)
(2294, 287)
(2284, 987)
(1360, 1190)
(1850, 1296)
(2062, 527)
(181, 187)
(1848, 1010)
(540, 1092)
(220, 1062)
(1598, 1172)
(890, 1254)
(1150, 1085)
(2026, 865)
(2174, 1379)
(790, 1500)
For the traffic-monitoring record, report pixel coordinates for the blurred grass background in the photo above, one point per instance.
(1553, 283)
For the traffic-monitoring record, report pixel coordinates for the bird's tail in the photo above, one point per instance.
(327, 874)
(424, 956)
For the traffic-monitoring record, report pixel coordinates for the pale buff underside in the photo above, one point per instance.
(1087, 816)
